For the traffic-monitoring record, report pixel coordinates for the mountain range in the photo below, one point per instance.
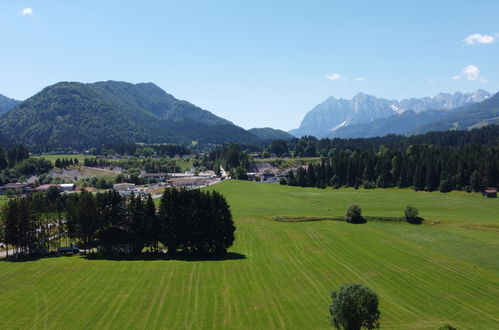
(78, 115)
(337, 117)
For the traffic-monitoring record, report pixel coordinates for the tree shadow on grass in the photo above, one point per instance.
(134, 257)
(166, 257)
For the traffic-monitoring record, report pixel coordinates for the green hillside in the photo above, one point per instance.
(70, 114)
(280, 274)
(267, 133)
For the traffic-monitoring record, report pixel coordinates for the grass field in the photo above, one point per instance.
(425, 275)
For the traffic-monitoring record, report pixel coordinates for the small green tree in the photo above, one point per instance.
(354, 214)
(446, 327)
(412, 214)
(354, 306)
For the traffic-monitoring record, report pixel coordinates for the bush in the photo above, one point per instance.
(354, 306)
(446, 327)
(412, 215)
(354, 214)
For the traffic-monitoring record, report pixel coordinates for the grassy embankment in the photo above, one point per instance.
(425, 275)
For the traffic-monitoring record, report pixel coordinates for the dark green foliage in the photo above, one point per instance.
(423, 167)
(446, 327)
(80, 116)
(279, 148)
(411, 215)
(354, 214)
(133, 149)
(240, 173)
(354, 306)
(189, 221)
(15, 166)
(195, 222)
(411, 212)
(229, 157)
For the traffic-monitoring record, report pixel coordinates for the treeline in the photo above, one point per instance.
(66, 162)
(312, 147)
(10, 157)
(17, 166)
(188, 222)
(133, 149)
(229, 156)
(423, 167)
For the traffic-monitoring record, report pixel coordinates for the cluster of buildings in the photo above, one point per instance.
(164, 180)
(23, 188)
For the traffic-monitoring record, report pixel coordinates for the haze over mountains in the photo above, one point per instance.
(77, 115)
(337, 117)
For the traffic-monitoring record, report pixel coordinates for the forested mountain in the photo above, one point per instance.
(268, 134)
(468, 117)
(77, 115)
(333, 115)
(7, 104)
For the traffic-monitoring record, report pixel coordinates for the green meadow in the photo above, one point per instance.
(280, 274)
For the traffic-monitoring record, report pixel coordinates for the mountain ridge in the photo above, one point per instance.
(335, 114)
(79, 115)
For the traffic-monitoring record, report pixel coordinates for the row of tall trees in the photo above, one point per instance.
(65, 162)
(133, 149)
(188, 221)
(11, 156)
(423, 167)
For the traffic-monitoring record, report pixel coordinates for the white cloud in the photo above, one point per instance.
(27, 12)
(359, 79)
(333, 76)
(477, 39)
(471, 72)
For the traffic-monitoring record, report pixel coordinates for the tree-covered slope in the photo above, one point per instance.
(78, 115)
(7, 104)
(267, 133)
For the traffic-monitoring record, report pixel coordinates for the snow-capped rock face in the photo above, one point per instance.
(333, 114)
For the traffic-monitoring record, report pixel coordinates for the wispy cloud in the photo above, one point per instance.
(27, 12)
(359, 79)
(479, 39)
(470, 72)
(333, 76)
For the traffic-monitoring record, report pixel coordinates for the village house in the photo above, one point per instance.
(155, 176)
(16, 188)
(64, 187)
(490, 193)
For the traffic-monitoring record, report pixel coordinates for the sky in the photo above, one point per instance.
(255, 63)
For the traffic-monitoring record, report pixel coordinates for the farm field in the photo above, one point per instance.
(280, 274)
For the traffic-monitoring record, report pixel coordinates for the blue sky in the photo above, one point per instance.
(256, 63)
